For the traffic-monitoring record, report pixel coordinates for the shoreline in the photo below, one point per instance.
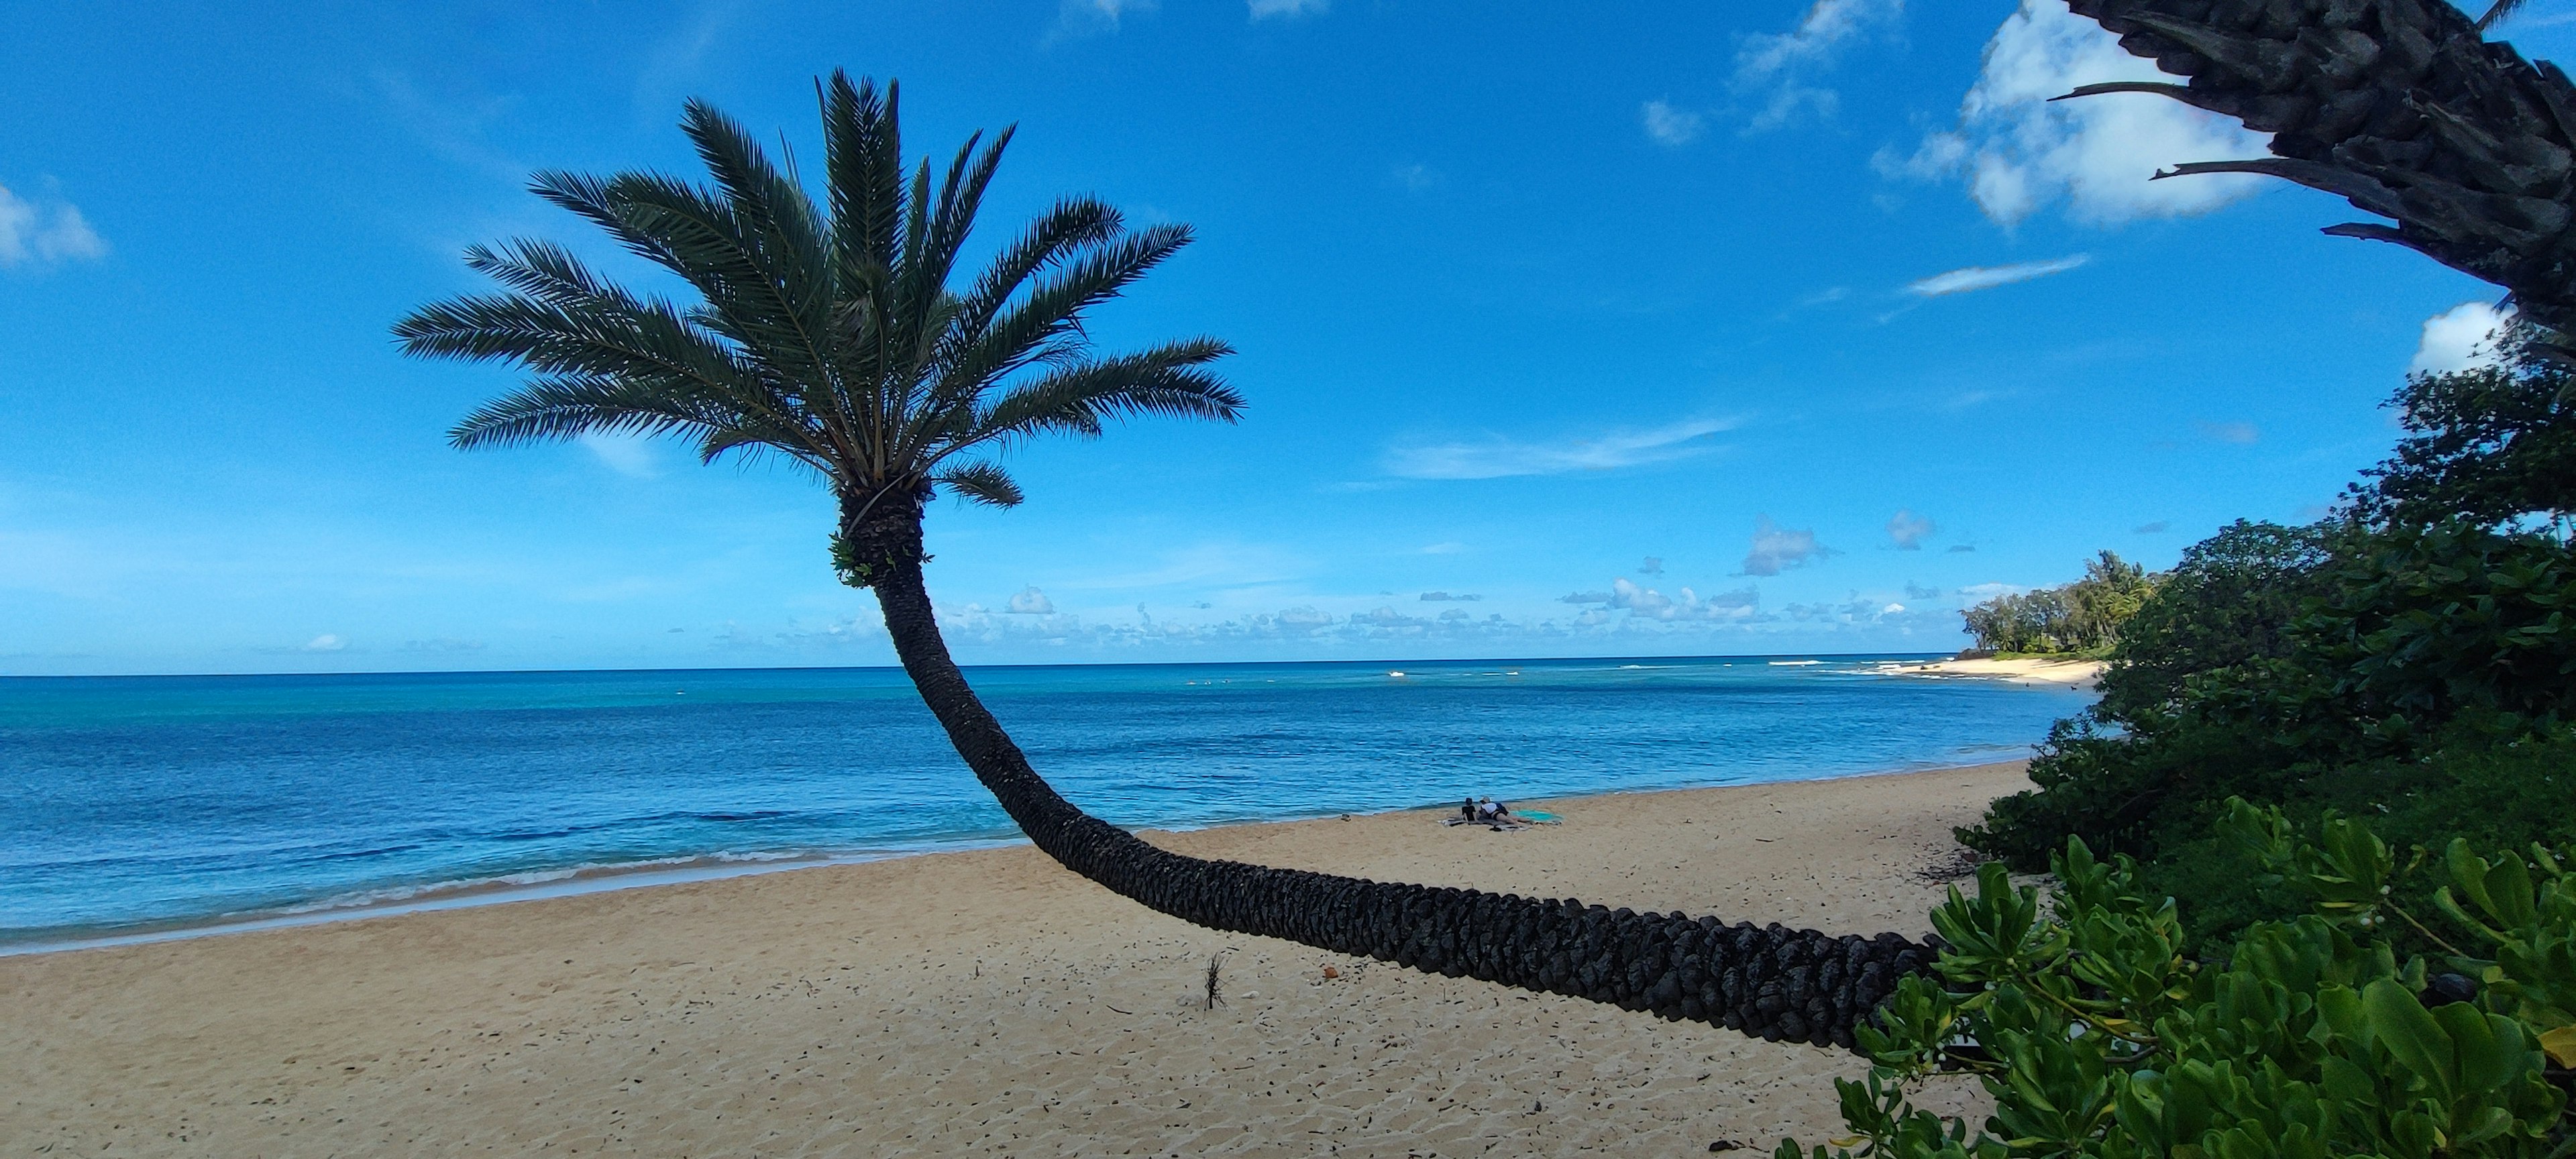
(982, 1002)
(576, 881)
(2033, 670)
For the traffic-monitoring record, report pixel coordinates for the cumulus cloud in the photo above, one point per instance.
(1917, 592)
(1777, 548)
(1669, 126)
(1776, 66)
(1907, 530)
(1647, 603)
(2456, 339)
(1973, 278)
(1444, 597)
(1498, 458)
(1031, 602)
(1654, 565)
(2018, 152)
(1264, 9)
(39, 234)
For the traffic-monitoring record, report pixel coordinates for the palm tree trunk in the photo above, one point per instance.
(1776, 983)
(2399, 106)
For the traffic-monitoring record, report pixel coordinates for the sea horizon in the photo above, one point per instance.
(158, 806)
(976, 667)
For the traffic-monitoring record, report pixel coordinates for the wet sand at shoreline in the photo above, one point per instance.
(983, 1002)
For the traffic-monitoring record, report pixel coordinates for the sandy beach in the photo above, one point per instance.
(2025, 670)
(979, 1003)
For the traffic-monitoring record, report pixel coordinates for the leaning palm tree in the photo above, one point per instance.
(837, 340)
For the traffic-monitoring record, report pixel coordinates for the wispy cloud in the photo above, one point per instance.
(1777, 549)
(37, 234)
(1444, 597)
(1265, 9)
(1908, 531)
(2017, 151)
(1654, 565)
(2158, 527)
(1416, 177)
(1499, 458)
(628, 455)
(2240, 434)
(326, 642)
(1974, 278)
(1074, 17)
(1670, 126)
(1774, 66)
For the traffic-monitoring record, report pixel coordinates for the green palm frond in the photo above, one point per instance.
(828, 334)
(983, 483)
(1078, 400)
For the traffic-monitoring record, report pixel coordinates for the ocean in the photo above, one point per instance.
(144, 806)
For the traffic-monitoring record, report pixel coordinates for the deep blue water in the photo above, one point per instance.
(147, 802)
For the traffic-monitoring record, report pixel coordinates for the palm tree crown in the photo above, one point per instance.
(834, 339)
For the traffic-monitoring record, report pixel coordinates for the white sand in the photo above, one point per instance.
(984, 1003)
(2070, 673)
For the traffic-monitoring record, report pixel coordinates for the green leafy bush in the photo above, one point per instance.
(2097, 1035)
(2080, 618)
(2408, 647)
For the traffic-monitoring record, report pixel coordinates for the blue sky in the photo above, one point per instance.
(1586, 330)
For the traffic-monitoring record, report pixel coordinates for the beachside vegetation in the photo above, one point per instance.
(2079, 620)
(2413, 656)
(2319, 1034)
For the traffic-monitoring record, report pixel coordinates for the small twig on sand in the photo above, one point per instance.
(1214, 961)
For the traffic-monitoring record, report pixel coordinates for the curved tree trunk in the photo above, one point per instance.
(2400, 107)
(1776, 983)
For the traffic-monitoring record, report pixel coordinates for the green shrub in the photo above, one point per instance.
(2410, 646)
(2098, 1035)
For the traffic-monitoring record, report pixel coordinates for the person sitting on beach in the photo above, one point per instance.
(1467, 809)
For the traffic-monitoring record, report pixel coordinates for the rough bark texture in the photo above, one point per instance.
(1769, 981)
(2396, 105)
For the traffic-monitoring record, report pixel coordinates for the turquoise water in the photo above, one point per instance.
(144, 803)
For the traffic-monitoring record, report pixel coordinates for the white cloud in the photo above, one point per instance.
(2456, 339)
(1098, 15)
(2018, 151)
(1263, 9)
(2238, 433)
(1031, 602)
(1440, 597)
(34, 234)
(1416, 177)
(326, 642)
(1776, 63)
(1908, 530)
(628, 455)
(1501, 458)
(1973, 278)
(1671, 126)
(1777, 548)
